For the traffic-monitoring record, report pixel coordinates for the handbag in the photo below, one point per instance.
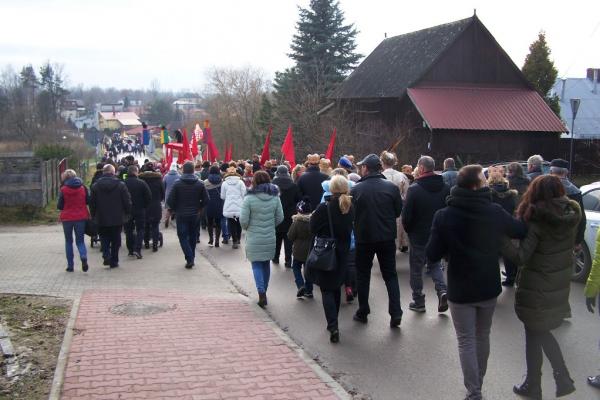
(322, 255)
(91, 228)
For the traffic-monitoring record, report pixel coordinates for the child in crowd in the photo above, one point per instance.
(299, 234)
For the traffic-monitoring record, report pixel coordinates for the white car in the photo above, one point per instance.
(591, 204)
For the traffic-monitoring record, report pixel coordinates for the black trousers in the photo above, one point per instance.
(350, 280)
(134, 232)
(152, 231)
(386, 256)
(538, 343)
(511, 269)
(214, 229)
(110, 240)
(287, 245)
(331, 306)
(235, 229)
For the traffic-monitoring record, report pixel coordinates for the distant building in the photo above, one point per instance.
(188, 103)
(72, 109)
(118, 121)
(116, 107)
(587, 122)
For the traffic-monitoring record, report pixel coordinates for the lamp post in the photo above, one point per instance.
(574, 108)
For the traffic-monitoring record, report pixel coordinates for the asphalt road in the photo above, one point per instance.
(419, 360)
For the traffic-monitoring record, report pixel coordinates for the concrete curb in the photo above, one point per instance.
(61, 364)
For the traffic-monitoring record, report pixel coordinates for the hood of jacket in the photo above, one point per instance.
(283, 181)
(232, 179)
(188, 178)
(562, 213)
(265, 191)
(301, 217)
(502, 191)
(171, 172)
(150, 175)
(431, 183)
(74, 183)
(214, 179)
(469, 199)
(570, 189)
(108, 183)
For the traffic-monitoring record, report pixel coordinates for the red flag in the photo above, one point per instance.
(230, 151)
(168, 157)
(194, 146)
(228, 155)
(265, 153)
(213, 152)
(184, 154)
(288, 147)
(329, 152)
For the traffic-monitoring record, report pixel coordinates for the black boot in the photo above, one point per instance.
(262, 300)
(531, 388)
(564, 384)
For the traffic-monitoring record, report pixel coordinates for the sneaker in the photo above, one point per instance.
(404, 249)
(395, 322)
(106, 262)
(225, 241)
(69, 269)
(417, 306)
(84, 265)
(217, 244)
(308, 295)
(360, 318)
(275, 260)
(154, 248)
(130, 254)
(114, 265)
(300, 293)
(137, 255)
(146, 245)
(335, 336)
(443, 302)
(189, 265)
(349, 295)
(210, 243)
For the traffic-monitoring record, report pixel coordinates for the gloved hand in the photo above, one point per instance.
(590, 303)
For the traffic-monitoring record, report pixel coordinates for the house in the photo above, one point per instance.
(72, 109)
(448, 90)
(118, 121)
(587, 122)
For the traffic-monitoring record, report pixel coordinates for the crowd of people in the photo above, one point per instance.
(466, 219)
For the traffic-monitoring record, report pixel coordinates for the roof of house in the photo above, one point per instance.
(484, 108)
(587, 122)
(124, 118)
(398, 62)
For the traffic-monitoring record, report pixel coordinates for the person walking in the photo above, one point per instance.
(591, 292)
(333, 218)
(469, 232)
(399, 179)
(186, 200)
(260, 214)
(110, 207)
(450, 173)
(170, 178)
(154, 212)
(426, 196)
(73, 199)
(377, 204)
(310, 181)
(542, 295)
(289, 194)
(233, 192)
(214, 208)
(141, 197)
(517, 179)
(300, 236)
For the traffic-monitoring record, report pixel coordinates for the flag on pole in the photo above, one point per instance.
(287, 149)
(184, 154)
(194, 146)
(228, 152)
(265, 153)
(329, 152)
(213, 152)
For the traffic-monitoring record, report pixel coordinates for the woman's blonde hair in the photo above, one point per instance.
(338, 186)
(496, 178)
(388, 159)
(340, 171)
(68, 174)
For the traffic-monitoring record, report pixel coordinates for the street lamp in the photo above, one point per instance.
(574, 108)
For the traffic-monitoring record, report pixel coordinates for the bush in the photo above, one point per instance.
(53, 151)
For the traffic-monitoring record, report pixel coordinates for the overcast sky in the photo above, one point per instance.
(127, 44)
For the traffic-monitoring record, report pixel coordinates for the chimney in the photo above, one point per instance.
(385, 35)
(562, 92)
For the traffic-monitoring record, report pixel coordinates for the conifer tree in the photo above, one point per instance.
(541, 72)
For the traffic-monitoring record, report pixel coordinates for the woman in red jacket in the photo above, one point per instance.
(72, 203)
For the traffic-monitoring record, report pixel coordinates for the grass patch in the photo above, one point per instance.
(29, 215)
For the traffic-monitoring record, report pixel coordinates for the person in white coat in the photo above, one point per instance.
(389, 160)
(233, 191)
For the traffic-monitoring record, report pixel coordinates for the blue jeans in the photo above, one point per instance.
(187, 232)
(225, 229)
(417, 260)
(79, 228)
(262, 272)
(300, 280)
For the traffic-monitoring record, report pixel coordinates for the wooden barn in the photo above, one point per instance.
(449, 90)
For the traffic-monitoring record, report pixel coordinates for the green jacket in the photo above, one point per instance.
(261, 213)
(299, 234)
(546, 257)
(592, 287)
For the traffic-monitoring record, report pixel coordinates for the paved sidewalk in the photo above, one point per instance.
(192, 348)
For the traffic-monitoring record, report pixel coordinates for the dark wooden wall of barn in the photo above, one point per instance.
(474, 58)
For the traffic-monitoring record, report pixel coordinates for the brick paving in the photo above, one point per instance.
(200, 348)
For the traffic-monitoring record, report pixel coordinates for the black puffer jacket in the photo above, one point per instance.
(377, 204)
(140, 194)
(423, 198)
(469, 233)
(157, 188)
(289, 196)
(110, 202)
(310, 185)
(188, 196)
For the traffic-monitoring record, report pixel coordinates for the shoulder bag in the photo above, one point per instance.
(322, 255)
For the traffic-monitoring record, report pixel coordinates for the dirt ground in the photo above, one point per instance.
(36, 326)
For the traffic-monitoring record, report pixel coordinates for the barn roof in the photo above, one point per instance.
(398, 62)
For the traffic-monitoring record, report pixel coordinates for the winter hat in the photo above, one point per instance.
(345, 163)
(282, 170)
(354, 177)
(303, 206)
(214, 170)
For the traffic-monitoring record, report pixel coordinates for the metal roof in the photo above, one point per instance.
(587, 123)
(484, 108)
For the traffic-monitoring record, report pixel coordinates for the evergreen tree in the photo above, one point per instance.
(541, 72)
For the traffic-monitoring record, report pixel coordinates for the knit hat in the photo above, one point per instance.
(354, 177)
(282, 170)
(345, 163)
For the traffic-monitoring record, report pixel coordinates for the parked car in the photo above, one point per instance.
(583, 259)
(504, 164)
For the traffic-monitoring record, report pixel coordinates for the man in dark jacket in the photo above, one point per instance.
(469, 233)
(110, 205)
(140, 201)
(377, 204)
(154, 211)
(187, 199)
(424, 197)
(289, 196)
(560, 168)
(310, 181)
